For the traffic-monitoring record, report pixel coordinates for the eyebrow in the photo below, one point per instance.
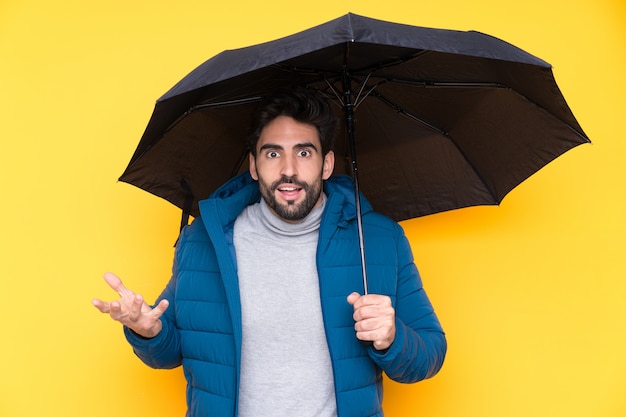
(280, 147)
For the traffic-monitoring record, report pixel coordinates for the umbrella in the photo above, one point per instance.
(440, 119)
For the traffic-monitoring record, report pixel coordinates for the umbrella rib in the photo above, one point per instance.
(338, 101)
(409, 115)
(392, 62)
(371, 89)
(400, 110)
(442, 84)
(337, 95)
(478, 85)
(193, 109)
(363, 70)
(363, 84)
(208, 106)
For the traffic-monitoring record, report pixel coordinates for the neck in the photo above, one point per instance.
(279, 226)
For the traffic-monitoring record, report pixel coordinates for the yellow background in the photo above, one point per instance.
(532, 293)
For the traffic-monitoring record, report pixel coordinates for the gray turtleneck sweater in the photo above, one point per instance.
(285, 364)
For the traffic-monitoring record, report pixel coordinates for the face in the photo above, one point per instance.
(290, 168)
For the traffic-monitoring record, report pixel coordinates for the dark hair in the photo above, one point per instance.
(304, 106)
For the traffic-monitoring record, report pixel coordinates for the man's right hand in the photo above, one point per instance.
(131, 310)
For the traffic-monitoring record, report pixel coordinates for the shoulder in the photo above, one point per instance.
(194, 231)
(192, 234)
(381, 224)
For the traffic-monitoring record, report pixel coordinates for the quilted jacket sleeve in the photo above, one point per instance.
(419, 348)
(162, 351)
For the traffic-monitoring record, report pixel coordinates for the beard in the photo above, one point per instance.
(292, 211)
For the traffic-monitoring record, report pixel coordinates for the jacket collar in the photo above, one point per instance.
(225, 204)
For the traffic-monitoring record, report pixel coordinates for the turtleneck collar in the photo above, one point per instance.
(276, 225)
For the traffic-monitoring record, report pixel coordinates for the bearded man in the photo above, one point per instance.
(261, 309)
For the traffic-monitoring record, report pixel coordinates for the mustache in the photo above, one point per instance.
(288, 180)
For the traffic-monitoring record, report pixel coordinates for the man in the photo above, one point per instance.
(262, 309)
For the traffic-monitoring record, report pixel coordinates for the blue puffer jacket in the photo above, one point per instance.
(202, 326)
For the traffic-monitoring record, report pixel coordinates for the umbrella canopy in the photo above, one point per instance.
(442, 119)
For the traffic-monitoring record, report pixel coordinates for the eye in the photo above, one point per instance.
(305, 153)
(272, 154)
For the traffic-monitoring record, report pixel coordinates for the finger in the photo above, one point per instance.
(136, 308)
(376, 324)
(364, 311)
(366, 336)
(375, 313)
(364, 325)
(380, 336)
(359, 301)
(114, 282)
(116, 310)
(102, 306)
(376, 299)
(373, 304)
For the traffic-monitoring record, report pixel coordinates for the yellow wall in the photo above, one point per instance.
(531, 293)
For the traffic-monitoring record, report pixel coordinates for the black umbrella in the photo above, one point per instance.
(444, 119)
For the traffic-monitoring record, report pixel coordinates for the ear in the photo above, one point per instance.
(252, 168)
(329, 165)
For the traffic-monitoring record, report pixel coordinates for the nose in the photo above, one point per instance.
(289, 166)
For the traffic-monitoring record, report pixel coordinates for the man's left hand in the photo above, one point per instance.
(374, 319)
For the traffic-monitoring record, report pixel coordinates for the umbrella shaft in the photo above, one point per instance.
(349, 121)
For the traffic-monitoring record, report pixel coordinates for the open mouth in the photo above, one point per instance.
(289, 191)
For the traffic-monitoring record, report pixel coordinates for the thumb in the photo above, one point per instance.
(160, 308)
(352, 298)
